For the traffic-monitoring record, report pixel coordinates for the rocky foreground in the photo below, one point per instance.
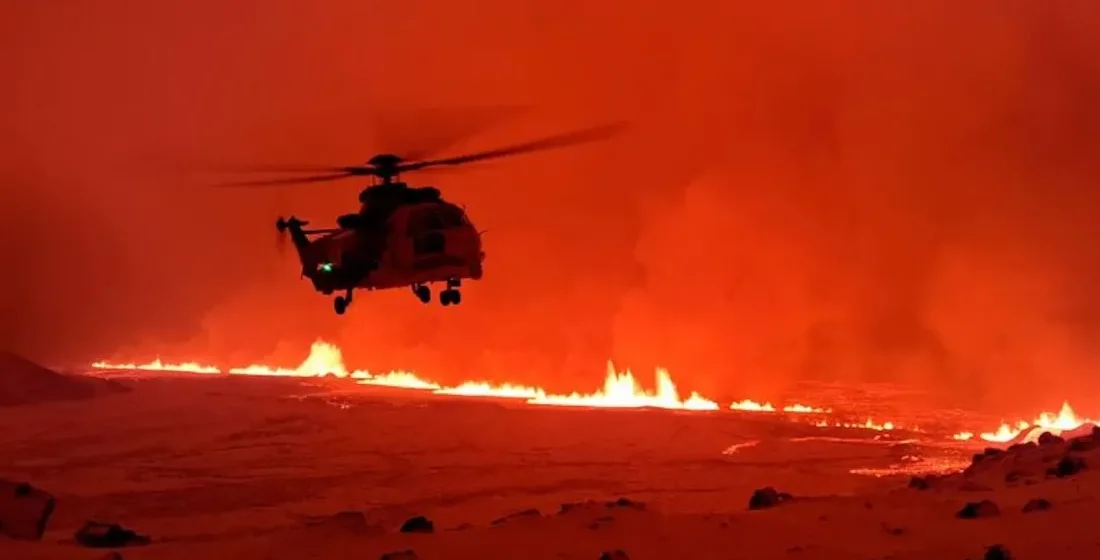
(996, 509)
(180, 469)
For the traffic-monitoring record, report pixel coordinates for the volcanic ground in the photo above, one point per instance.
(280, 467)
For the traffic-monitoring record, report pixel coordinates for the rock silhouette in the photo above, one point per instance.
(24, 510)
(767, 497)
(978, 510)
(108, 535)
(418, 524)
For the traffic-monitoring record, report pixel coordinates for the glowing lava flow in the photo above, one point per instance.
(1064, 421)
(620, 390)
(157, 365)
(482, 389)
(753, 406)
(402, 380)
(868, 425)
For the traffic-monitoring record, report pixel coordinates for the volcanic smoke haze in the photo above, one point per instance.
(831, 191)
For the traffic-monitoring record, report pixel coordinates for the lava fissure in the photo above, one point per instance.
(620, 390)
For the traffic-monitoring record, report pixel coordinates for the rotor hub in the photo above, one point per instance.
(386, 166)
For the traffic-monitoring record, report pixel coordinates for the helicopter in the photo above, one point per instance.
(402, 236)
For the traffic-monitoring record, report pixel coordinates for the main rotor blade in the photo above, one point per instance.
(289, 180)
(552, 142)
(426, 132)
(350, 170)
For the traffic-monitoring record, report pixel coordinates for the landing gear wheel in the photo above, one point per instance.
(340, 304)
(450, 297)
(423, 293)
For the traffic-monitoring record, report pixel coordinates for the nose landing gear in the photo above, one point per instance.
(422, 292)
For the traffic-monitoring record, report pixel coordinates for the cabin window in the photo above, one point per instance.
(435, 219)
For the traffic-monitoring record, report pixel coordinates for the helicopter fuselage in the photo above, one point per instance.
(416, 244)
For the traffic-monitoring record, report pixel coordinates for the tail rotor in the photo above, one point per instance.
(281, 227)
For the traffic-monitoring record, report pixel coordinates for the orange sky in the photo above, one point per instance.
(849, 190)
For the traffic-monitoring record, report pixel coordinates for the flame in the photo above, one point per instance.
(157, 365)
(805, 409)
(620, 390)
(483, 389)
(400, 380)
(1065, 420)
(752, 406)
(324, 359)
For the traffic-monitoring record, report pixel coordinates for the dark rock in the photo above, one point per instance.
(1085, 443)
(572, 506)
(1019, 447)
(418, 524)
(525, 514)
(1096, 431)
(1047, 438)
(978, 510)
(24, 510)
(108, 535)
(1037, 504)
(767, 497)
(1068, 466)
(626, 503)
(614, 555)
(921, 482)
(1014, 476)
(997, 552)
(993, 452)
(591, 505)
(400, 555)
(112, 555)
